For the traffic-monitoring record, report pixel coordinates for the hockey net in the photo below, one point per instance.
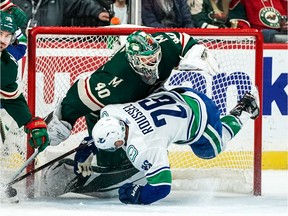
(59, 56)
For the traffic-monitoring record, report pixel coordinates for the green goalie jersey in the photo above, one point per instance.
(117, 82)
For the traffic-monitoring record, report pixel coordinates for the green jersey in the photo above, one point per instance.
(117, 82)
(12, 99)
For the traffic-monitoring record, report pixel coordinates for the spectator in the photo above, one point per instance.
(166, 13)
(18, 48)
(92, 21)
(267, 16)
(121, 10)
(54, 12)
(218, 14)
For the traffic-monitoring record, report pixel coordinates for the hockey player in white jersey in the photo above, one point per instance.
(146, 128)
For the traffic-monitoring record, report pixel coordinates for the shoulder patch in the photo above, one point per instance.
(132, 153)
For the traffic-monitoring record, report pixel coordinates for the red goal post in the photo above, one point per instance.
(233, 42)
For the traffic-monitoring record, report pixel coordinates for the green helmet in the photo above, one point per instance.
(7, 22)
(144, 54)
(20, 16)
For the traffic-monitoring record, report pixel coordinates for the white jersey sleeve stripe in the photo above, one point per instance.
(202, 115)
(86, 95)
(10, 95)
(211, 142)
(148, 175)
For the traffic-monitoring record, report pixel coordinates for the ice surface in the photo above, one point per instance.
(274, 202)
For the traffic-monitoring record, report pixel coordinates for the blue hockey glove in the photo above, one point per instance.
(130, 194)
(84, 156)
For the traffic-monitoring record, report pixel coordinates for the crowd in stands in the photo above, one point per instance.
(268, 16)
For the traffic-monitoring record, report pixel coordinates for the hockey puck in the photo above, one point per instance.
(11, 192)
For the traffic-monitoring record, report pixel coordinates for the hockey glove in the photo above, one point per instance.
(130, 194)
(199, 58)
(37, 132)
(83, 157)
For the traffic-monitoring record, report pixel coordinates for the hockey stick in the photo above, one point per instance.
(117, 187)
(27, 162)
(10, 192)
(46, 165)
(3, 136)
(14, 179)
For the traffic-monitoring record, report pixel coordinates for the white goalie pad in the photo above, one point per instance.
(58, 130)
(199, 58)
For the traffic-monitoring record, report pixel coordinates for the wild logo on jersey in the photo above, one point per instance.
(269, 16)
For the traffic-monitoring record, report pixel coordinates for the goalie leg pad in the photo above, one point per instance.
(59, 179)
(56, 179)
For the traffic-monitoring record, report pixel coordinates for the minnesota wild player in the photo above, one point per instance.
(11, 96)
(12, 99)
(143, 64)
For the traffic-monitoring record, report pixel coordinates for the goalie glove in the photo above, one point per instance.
(199, 58)
(83, 157)
(37, 133)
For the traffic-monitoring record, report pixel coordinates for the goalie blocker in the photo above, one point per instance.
(58, 129)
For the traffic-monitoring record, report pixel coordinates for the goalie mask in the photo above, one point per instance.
(144, 54)
(107, 131)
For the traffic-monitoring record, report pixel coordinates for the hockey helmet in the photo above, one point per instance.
(107, 131)
(20, 17)
(143, 53)
(7, 22)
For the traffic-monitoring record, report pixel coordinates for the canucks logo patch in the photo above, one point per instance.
(132, 152)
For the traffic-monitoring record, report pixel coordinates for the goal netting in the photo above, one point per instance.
(58, 56)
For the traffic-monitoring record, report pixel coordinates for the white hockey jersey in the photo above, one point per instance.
(154, 124)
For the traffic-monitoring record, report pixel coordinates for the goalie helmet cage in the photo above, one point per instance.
(230, 43)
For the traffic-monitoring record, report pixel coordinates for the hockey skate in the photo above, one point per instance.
(247, 104)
